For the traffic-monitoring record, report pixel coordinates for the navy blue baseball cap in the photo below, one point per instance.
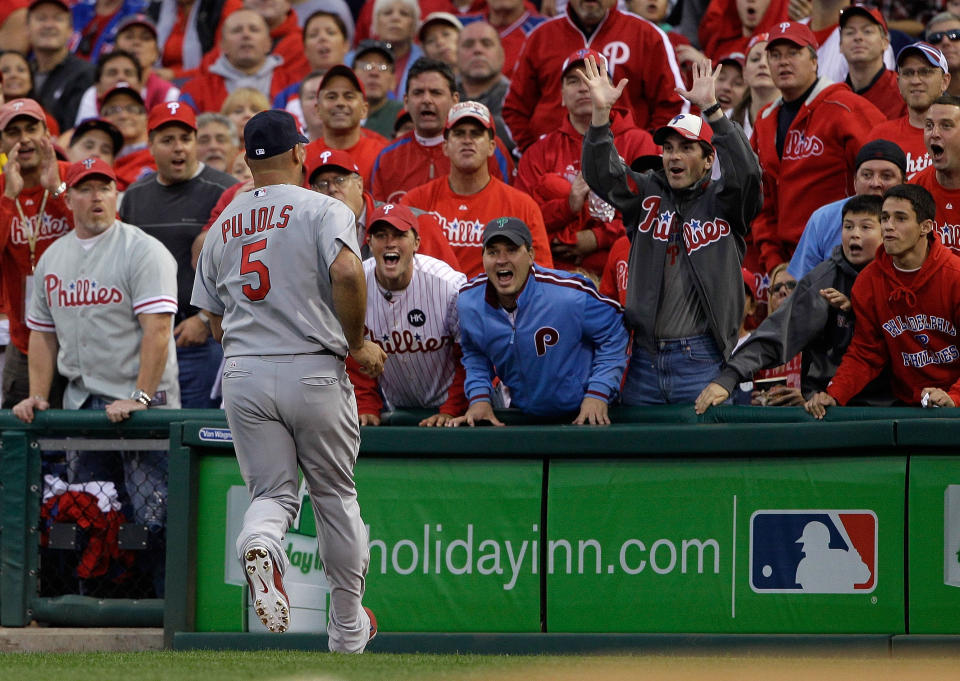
(513, 229)
(271, 132)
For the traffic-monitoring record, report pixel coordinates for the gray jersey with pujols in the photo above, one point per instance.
(89, 292)
(253, 265)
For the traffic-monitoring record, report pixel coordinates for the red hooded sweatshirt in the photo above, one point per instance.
(906, 319)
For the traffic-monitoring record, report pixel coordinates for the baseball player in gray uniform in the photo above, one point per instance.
(281, 279)
(102, 312)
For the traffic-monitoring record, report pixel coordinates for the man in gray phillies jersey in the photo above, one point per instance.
(281, 279)
(102, 312)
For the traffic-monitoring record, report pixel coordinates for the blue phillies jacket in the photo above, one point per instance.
(566, 342)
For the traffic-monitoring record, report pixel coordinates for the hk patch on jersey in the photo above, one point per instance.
(813, 551)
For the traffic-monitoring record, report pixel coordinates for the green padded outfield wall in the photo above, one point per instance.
(934, 531)
(459, 534)
(710, 546)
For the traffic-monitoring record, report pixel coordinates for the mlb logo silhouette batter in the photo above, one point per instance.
(813, 551)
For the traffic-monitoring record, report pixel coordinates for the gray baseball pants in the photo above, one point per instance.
(287, 411)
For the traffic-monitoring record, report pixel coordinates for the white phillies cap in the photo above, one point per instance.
(475, 110)
(686, 125)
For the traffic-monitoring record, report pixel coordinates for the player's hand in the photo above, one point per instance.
(369, 419)
(436, 420)
(120, 410)
(578, 194)
(784, 396)
(799, 9)
(370, 357)
(602, 93)
(49, 168)
(936, 397)
(592, 412)
(835, 298)
(710, 396)
(703, 93)
(478, 411)
(14, 181)
(191, 331)
(24, 409)
(817, 405)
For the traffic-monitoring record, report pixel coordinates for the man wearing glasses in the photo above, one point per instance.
(922, 76)
(373, 62)
(123, 106)
(943, 32)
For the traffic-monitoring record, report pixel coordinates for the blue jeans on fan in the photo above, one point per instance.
(199, 366)
(675, 374)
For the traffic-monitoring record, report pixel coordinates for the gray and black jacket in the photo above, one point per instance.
(807, 323)
(715, 217)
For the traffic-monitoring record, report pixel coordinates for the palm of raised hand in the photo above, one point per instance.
(602, 92)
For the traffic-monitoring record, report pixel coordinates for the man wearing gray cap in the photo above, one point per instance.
(548, 335)
(880, 164)
(286, 326)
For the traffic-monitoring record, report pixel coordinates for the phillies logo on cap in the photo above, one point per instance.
(325, 156)
(173, 106)
(88, 162)
(501, 222)
(784, 26)
(387, 208)
(18, 105)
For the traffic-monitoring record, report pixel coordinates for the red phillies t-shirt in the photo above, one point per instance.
(908, 138)
(613, 283)
(463, 216)
(947, 221)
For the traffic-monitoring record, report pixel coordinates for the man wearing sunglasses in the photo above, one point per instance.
(943, 32)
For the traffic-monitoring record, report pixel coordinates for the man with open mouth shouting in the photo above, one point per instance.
(684, 284)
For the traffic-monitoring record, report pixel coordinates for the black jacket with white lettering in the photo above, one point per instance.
(715, 215)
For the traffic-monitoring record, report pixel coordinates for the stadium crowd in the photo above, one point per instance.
(699, 201)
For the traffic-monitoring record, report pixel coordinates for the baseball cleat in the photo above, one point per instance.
(266, 590)
(373, 623)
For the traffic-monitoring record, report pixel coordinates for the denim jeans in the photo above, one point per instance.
(675, 374)
(199, 366)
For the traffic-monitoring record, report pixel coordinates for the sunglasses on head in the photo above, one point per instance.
(953, 34)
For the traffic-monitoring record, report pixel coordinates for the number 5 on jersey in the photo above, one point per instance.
(250, 266)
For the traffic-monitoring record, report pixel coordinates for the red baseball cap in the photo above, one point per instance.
(330, 158)
(580, 57)
(88, 167)
(172, 112)
(757, 38)
(871, 13)
(793, 32)
(344, 71)
(21, 107)
(469, 109)
(395, 215)
(688, 126)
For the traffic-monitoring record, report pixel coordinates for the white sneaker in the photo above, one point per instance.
(266, 589)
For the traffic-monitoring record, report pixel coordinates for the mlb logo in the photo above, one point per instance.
(813, 551)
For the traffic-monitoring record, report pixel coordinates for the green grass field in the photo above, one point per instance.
(300, 666)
